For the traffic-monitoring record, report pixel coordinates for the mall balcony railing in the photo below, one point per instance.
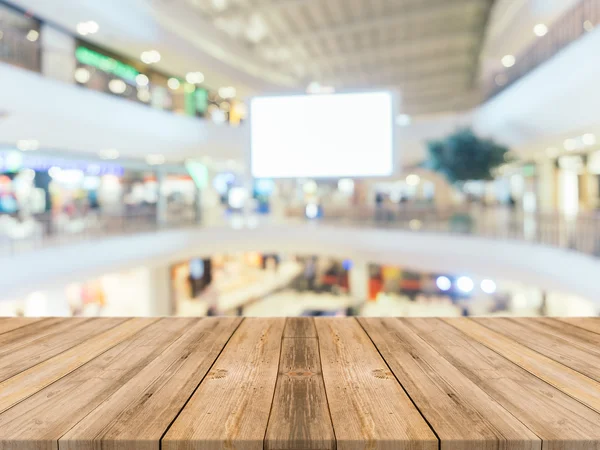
(575, 23)
(37, 232)
(579, 233)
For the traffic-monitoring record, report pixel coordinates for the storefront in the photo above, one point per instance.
(123, 294)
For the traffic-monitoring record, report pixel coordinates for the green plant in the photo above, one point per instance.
(463, 156)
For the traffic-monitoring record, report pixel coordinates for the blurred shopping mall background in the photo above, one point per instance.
(133, 182)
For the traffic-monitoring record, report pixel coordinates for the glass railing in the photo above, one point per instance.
(579, 233)
(575, 23)
(19, 235)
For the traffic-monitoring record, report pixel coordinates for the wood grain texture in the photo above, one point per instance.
(38, 421)
(571, 346)
(11, 323)
(300, 415)
(302, 327)
(369, 409)
(463, 416)
(562, 422)
(35, 378)
(569, 381)
(299, 384)
(587, 323)
(230, 410)
(23, 354)
(153, 397)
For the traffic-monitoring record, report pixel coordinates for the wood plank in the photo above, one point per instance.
(562, 422)
(567, 380)
(35, 378)
(39, 421)
(230, 409)
(556, 343)
(22, 336)
(155, 395)
(16, 357)
(587, 323)
(463, 416)
(302, 327)
(300, 414)
(11, 323)
(369, 409)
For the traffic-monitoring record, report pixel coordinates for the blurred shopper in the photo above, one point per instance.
(379, 206)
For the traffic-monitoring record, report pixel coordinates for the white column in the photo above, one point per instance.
(546, 185)
(58, 54)
(160, 303)
(161, 201)
(358, 279)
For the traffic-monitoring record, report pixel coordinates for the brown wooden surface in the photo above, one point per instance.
(300, 413)
(299, 384)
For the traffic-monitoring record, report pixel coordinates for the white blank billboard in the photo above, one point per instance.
(322, 136)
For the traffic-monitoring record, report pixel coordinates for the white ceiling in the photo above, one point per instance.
(428, 50)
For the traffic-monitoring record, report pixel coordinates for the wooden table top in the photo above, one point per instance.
(299, 384)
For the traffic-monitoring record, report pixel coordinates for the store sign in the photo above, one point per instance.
(14, 160)
(105, 63)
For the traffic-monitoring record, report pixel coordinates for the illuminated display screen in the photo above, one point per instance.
(105, 63)
(322, 136)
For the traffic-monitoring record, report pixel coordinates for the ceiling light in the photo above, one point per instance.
(465, 284)
(150, 57)
(109, 153)
(173, 83)
(142, 80)
(194, 77)
(346, 185)
(28, 144)
(589, 139)
(488, 286)
(155, 160)
(403, 120)
(219, 117)
(540, 29)
(32, 35)
(413, 179)
(443, 283)
(89, 27)
(117, 86)
(144, 95)
(508, 60)
(82, 75)
(570, 144)
(227, 92)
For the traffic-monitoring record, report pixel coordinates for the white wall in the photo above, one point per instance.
(549, 268)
